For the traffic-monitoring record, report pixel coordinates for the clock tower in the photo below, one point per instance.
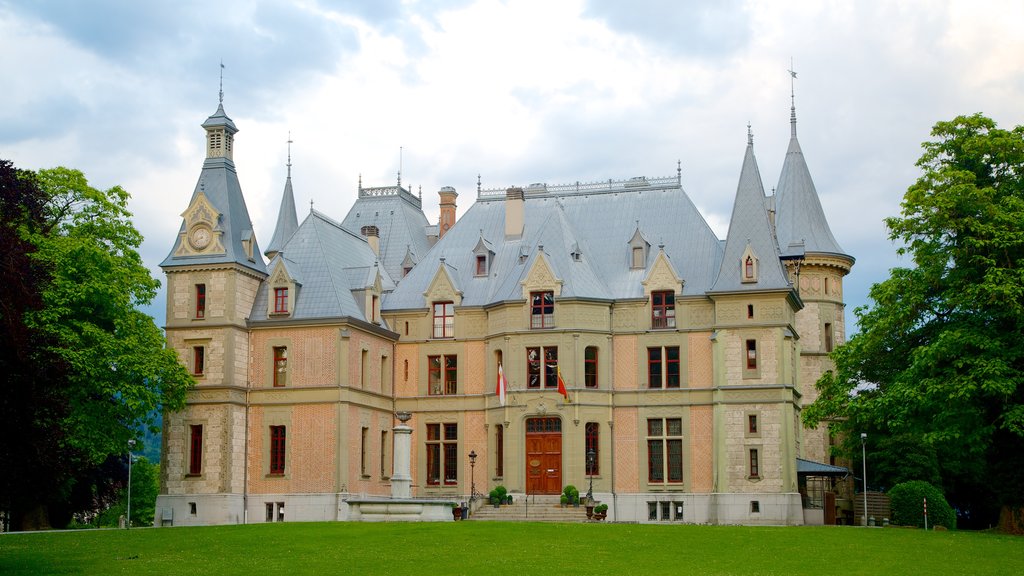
(214, 270)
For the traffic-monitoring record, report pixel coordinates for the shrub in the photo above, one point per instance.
(501, 492)
(601, 509)
(907, 500)
(571, 492)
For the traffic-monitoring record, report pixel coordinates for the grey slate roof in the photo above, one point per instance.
(287, 220)
(219, 182)
(328, 262)
(812, 468)
(598, 220)
(750, 225)
(398, 216)
(798, 215)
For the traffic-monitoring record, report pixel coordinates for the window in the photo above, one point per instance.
(364, 369)
(280, 366)
(748, 268)
(754, 468)
(280, 300)
(542, 367)
(750, 311)
(444, 320)
(200, 300)
(271, 507)
(499, 450)
(542, 309)
(755, 507)
(192, 509)
(481, 265)
(663, 367)
(638, 260)
(195, 455)
(383, 453)
(751, 354)
(277, 449)
(198, 360)
(442, 461)
(280, 511)
(828, 336)
(442, 376)
(362, 450)
(665, 450)
(752, 423)
(663, 309)
(590, 367)
(592, 444)
(374, 307)
(270, 511)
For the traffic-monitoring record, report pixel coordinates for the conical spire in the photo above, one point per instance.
(750, 237)
(799, 218)
(287, 218)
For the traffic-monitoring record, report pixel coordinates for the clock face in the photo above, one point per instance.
(200, 237)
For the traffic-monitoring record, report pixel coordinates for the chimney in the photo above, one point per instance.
(447, 204)
(514, 213)
(372, 234)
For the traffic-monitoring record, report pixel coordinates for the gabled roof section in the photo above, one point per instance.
(399, 218)
(218, 184)
(332, 260)
(750, 232)
(287, 219)
(798, 213)
(597, 219)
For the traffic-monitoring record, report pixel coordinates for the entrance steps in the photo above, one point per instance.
(529, 509)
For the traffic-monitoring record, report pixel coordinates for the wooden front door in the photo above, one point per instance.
(543, 456)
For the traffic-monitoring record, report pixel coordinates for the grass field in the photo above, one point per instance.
(509, 548)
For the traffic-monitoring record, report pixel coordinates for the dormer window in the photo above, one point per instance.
(748, 266)
(280, 300)
(663, 309)
(444, 320)
(542, 309)
(481, 265)
(638, 249)
(483, 255)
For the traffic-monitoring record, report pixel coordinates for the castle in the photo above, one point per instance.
(554, 334)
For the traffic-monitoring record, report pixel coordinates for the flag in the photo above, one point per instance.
(561, 385)
(502, 386)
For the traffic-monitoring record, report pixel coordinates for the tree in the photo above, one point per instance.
(939, 358)
(95, 368)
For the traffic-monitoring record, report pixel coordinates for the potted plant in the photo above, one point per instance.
(590, 509)
(600, 511)
(572, 495)
(563, 500)
(502, 493)
(495, 498)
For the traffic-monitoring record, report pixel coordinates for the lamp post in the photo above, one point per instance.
(128, 521)
(590, 471)
(864, 462)
(472, 475)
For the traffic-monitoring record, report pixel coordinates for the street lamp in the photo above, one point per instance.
(590, 470)
(472, 475)
(128, 522)
(864, 462)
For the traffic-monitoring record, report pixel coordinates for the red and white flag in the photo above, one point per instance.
(502, 386)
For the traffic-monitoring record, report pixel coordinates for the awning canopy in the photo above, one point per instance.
(811, 468)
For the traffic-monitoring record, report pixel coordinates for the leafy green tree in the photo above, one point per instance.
(103, 366)
(939, 358)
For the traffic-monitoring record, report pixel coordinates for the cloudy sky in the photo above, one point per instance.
(516, 91)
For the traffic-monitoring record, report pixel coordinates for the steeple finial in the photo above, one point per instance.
(360, 182)
(792, 99)
(310, 205)
(750, 135)
(399, 166)
(221, 82)
(478, 183)
(679, 171)
(289, 153)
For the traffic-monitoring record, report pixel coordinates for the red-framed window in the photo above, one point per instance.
(663, 309)
(663, 369)
(755, 470)
(593, 444)
(444, 320)
(442, 375)
(198, 360)
(280, 300)
(277, 449)
(481, 265)
(542, 367)
(200, 300)
(195, 455)
(751, 354)
(590, 367)
(665, 450)
(542, 309)
(442, 454)
(280, 366)
(499, 450)
(752, 423)
(748, 268)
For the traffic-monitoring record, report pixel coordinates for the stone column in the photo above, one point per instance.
(401, 480)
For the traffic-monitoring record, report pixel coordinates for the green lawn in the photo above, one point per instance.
(509, 548)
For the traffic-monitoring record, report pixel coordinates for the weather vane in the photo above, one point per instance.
(289, 153)
(222, 81)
